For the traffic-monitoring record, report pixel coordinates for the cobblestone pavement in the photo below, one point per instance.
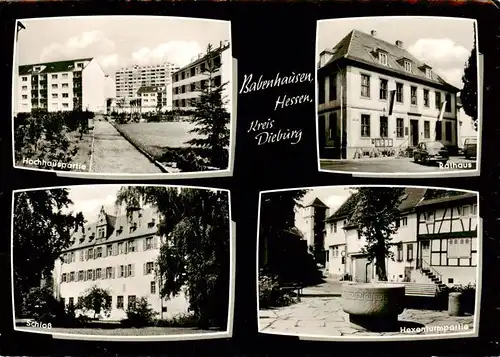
(392, 165)
(112, 153)
(323, 316)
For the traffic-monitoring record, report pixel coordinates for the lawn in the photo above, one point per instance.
(155, 137)
(145, 331)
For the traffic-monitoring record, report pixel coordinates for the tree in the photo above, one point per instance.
(194, 257)
(140, 314)
(277, 217)
(96, 299)
(375, 216)
(468, 95)
(210, 117)
(42, 230)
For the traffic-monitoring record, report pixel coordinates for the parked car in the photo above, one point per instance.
(470, 148)
(431, 151)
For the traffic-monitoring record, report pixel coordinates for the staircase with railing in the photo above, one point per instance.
(431, 273)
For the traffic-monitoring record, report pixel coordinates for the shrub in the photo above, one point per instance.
(140, 314)
(181, 320)
(186, 159)
(41, 306)
(467, 300)
(270, 293)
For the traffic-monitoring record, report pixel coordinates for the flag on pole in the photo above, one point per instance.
(441, 112)
(20, 27)
(392, 96)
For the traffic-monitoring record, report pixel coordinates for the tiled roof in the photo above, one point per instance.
(317, 203)
(411, 197)
(453, 196)
(51, 67)
(114, 226)
(360, 47)
(150, 89)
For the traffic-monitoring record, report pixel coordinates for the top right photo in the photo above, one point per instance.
(399, 96)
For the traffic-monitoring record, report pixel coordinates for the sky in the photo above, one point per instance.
(444, 43)
(118, 41)
(333, 197)
(89, 199)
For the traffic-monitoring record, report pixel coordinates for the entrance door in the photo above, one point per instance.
(413, 132)
(425, 252)
(360, 274)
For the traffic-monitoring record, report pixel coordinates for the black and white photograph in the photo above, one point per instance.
(92, 96)
(398, 96)
(369, 262)
(122, 262)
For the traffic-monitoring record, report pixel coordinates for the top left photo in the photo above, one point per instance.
(91, 96)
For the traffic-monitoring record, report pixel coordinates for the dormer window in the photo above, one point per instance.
(382, 58)
(152, 223)
(133, 227)
(37, 69)
(428, 73)
(407, 65)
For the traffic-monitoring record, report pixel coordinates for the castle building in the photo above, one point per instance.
(116, 253)
(60, 86)
(376, 98)
(189, 81)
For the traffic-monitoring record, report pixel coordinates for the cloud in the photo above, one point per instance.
(87, 44)
(445, 56)
(177, 52)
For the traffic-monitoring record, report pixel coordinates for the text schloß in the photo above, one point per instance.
(31, 323)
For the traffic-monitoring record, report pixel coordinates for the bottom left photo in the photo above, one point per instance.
(122, 261)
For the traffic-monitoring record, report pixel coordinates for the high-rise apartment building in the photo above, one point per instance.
(130, 79)
(60, 86)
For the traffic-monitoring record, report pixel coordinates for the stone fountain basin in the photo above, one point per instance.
(373, 299)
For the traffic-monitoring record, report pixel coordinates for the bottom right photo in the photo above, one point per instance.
(369, 262)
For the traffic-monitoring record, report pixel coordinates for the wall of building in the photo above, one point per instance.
(93, 88)
(139, 284)
(356, 105)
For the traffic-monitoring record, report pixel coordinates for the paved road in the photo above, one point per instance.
(393, 165)
(323, 316)
(112, 153)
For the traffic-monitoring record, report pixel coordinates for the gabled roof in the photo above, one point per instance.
(116, 223)
(52, 67)
(411, 197)
(449, 196)
(150, 89)
(359, 46)
(317, 203)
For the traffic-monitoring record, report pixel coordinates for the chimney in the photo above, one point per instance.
(399, 43)
(374, 33)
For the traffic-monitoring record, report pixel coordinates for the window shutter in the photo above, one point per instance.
(132, 270)
(155, 242)
(105, 253)
(144, 244)
(126, 271)
(113, 272)
(86, 255)
(144, 268)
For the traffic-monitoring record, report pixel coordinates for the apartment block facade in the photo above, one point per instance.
(129, 80)
(375, 98)
(60, 86)
(189, 81)
(116, 253)
(436, 238)
(153, 98)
